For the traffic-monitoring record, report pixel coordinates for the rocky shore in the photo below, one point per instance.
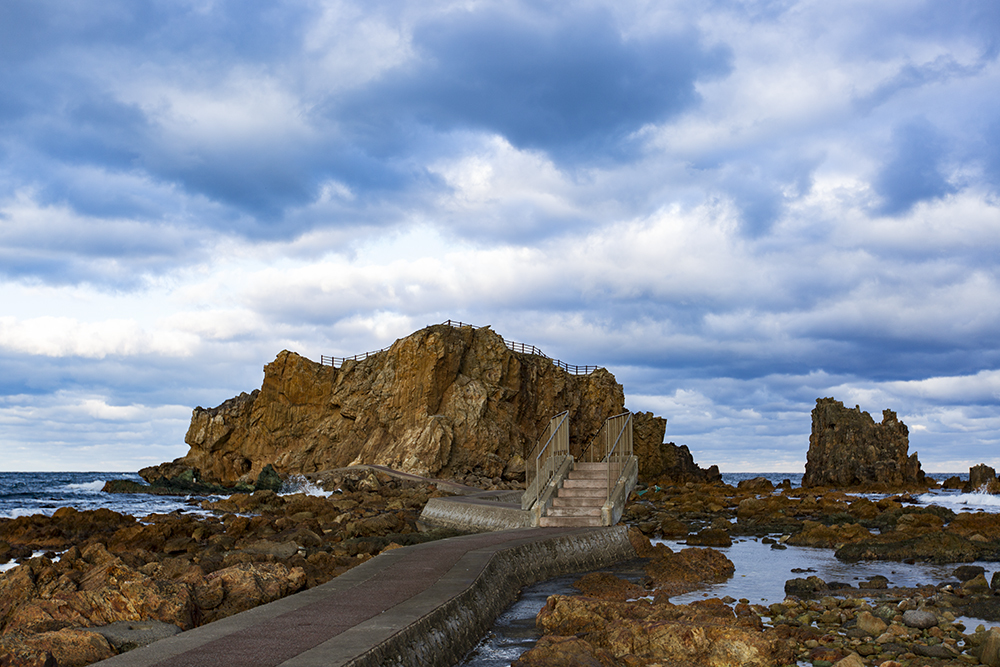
(820, 623)
(108, 582)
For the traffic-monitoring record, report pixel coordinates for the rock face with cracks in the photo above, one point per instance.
(444, 401)
(848, 449)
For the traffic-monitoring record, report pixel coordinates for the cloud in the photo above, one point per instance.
(736, 207)
(567, 82)
(913, 171)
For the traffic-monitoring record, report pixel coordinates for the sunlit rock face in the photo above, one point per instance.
(848, 449)
(442, 401)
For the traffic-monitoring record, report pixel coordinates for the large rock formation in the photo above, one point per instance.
(440, 402)
(848, 449)
(658, 459)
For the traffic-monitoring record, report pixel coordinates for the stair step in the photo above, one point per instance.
(568, 521)
(588, 474)
(579, 465)
(584, 484)
(582, 493)
(564, 501)
(573, 511)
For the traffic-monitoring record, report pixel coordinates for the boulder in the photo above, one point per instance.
(919, 618)
(871, 625)
(983, 479)
(848, 449)
(990, 649)
(710, 537)
(441, 402)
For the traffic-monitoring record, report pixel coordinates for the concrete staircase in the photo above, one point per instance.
(579, 500)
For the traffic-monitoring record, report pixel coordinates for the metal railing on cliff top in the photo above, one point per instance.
(520, 348)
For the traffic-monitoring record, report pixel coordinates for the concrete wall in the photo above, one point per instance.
(447, 633)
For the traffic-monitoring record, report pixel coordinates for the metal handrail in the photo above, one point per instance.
(513, 346)
(557, 433)
(602, 449)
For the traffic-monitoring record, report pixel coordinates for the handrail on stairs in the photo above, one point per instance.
(612, 444)
(543, 460)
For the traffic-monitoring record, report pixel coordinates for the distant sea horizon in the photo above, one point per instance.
(26, 493)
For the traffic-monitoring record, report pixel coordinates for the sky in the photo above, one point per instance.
(736, 207)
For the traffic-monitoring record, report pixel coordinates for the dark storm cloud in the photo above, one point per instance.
(567, 83)
(913, 171)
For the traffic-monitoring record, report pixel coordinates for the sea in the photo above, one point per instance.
(26, 493)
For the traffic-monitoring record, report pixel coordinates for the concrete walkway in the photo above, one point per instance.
(427, 604)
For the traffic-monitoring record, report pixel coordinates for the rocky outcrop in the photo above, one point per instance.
(983, 479)
(848, 449)
(444, 402)
(665, 460)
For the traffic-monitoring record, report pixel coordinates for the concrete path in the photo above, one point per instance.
(427, 604)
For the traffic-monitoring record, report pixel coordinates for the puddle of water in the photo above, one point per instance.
(761, 572)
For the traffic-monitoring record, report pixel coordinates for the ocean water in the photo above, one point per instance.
(26, 493)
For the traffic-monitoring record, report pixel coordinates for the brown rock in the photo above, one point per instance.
(704, 634)
(990, 649)
(918, 523)
(555, 651)
(71, 647)
(441, 401)
(248, 585)
(815, 534)
(710, 537)
(871, 625)
(665, 460)
(607, 585)
(848, 449)
(982, 478)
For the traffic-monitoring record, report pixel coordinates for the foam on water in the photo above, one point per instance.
(962, 502)
(299, 484)
(86, 487)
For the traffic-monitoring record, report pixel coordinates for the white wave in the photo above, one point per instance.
(299, 484)
(86, 487)
(27, 511)
(968, 502)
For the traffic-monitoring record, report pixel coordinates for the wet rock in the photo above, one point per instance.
(987, 609)
(921, 619)
(815, 534)
(807, 587)
(937, 547)
(995, 582)
(710, 537)
(965, 572)
(876, 582)
(848, 449)
(982, 478)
